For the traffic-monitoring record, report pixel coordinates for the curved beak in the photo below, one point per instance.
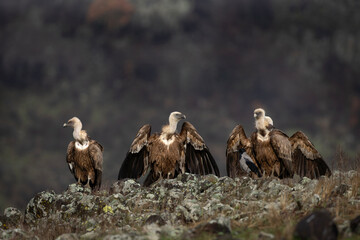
(65, 125)
(183, 116)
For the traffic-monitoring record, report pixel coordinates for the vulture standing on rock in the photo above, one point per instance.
(272, 148)
(84, 156)
(273, 152)
(168, 153)
(268, 151)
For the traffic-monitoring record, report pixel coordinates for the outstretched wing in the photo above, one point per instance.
(307, 160)
(96, 154)
(236, 161)
(198, 158)
(282, 148)
(137, 158)
(70, 153)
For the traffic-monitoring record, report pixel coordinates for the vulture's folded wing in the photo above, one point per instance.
(70, 154)
(96, 154)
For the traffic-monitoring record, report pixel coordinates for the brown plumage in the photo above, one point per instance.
(168, 153)
(84, 156)
(240, 160)
(273, 151)
(269, 150)
(307, 160)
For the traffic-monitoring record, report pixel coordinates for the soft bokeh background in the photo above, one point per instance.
(118, 64)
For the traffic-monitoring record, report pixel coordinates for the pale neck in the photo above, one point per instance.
(260, 123)
(172, 125)
(77, 130)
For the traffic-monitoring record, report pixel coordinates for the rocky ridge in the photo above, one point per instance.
(188, 206)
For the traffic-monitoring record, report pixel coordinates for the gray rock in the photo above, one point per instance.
(211, 178)
(16, 233)
(155, 219)
(68, 236)
(305, 181)
(168, 207)
(124, 186)
(317, 225)
(73, 188)
(40, 206)
(12, 218)
(183, 214)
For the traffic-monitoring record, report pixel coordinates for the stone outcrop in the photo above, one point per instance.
(189, 206)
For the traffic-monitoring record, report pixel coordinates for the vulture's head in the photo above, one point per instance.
(176, 117)
(259, 113)
(73, 122)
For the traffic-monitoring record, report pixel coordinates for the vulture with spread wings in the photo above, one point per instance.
(272, 152)
(168, 153)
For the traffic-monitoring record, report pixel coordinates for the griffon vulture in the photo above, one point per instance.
(274, 152)
(272, 148)
(84, 156)
(306, 160)
(168, 153)
(269, 149)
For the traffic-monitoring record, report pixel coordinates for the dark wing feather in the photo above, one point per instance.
(95, 151)
(70, 153)
(137, 158)
(282, 148)
(307, 160)
(237, 144)
(198, 158)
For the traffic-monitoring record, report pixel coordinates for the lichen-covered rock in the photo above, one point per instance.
(13, 214)
(40, 206)
(188, 206)
(73, 188)
(124, 186)
(12, 218)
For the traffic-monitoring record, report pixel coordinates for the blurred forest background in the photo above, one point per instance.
(119, 64)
